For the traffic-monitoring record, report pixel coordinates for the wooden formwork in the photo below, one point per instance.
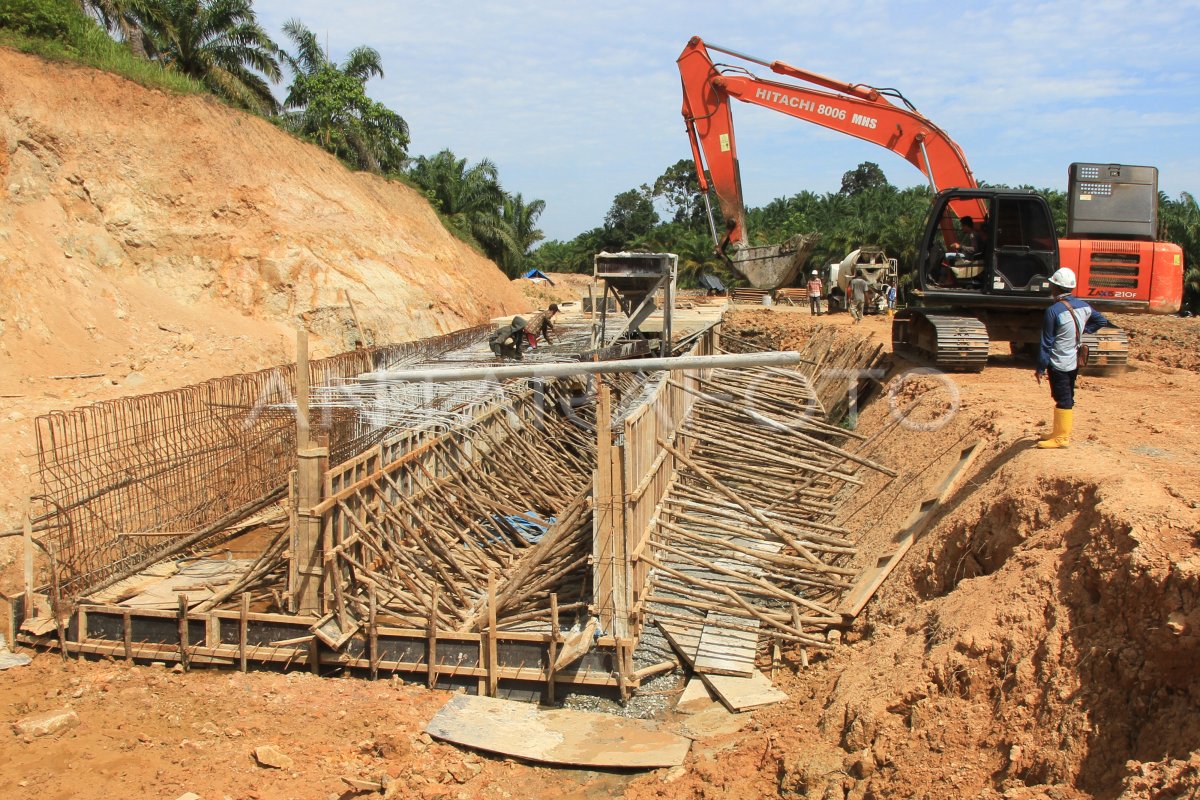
(407, 557)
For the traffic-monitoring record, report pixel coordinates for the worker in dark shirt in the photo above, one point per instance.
(509, 340)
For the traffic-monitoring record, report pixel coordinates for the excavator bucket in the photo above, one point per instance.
(774, 265)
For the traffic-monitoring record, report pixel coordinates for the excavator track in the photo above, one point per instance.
(953, 343)
(1109, 351)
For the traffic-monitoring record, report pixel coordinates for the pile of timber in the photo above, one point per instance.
(830, 358)
(747, 295)
(795, 296)
(436, 536)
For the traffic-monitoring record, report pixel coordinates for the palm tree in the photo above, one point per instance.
(1180, 223)
(217, 42)
(521, 220)
(329, 102)
(121, 18)
(469, 197)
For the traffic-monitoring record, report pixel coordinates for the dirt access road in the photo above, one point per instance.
(1039, 640)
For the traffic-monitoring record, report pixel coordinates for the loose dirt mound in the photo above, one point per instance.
(1170, 341)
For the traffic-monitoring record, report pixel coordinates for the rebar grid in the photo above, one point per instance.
(180, 460)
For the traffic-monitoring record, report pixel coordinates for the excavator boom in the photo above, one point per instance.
(856, 110)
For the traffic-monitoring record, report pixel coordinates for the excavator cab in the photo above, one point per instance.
(987, 242)
(970, 290)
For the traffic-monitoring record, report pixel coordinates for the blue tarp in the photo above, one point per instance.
(526, 526)
(537, 273)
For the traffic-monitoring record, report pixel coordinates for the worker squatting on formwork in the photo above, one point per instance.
(509, 340)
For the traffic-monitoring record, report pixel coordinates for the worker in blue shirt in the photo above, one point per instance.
(1063, 326)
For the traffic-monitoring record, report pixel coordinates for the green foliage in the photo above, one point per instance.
(328, 103)
(520, 218)
(59, 30)
(216, 42)
(475, 207)
(630, 217)
(1179, 222)
(680, 190)
(48, 19)
(865, 176)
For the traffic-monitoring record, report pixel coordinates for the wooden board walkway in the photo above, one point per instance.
(873, 576)
(725, 650)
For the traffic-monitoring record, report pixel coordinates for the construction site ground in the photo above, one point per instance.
(1039, 640)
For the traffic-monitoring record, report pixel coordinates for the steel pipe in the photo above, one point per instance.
(561, 370)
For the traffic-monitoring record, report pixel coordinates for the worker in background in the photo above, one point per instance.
(1063, 326)
(509, 340)
(548, 323)
(815, 289)
(891, 299)
(858, 296)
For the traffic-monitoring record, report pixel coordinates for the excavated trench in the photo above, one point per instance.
(1043, 638)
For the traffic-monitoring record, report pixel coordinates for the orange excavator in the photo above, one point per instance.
(986, 254)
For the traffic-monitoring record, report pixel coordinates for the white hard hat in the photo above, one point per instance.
(814, 272)
(1064, 277)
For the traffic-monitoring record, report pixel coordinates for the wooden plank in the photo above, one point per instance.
(743, 694)
(725, 651)
(556, 736)
(873, 576)
(27, 540)
(695, 697)
(685, 639)
(576, 645)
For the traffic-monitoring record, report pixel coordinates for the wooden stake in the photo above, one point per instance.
(554, 629)
(492, 656)
(183, 632)
(431, 645)
(373, 634)
(362, 336)
(28, 541)
(303, 431)
(127, 635)
(243, 629)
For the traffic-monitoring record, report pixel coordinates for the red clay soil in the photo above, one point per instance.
(1039, 640)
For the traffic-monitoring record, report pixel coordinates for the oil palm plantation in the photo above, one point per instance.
(469, 197)
(217, 42)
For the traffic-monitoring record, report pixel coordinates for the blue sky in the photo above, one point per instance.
(576, 102)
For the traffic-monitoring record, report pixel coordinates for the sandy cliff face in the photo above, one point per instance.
(133, 220)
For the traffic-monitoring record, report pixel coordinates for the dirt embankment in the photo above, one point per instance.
(149, 241)
(123, 208)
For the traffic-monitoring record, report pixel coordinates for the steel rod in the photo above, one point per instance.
(565, 370)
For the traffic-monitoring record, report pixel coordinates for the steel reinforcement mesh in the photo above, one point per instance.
(178, 463)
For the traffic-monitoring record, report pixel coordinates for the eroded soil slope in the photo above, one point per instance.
(123, 208)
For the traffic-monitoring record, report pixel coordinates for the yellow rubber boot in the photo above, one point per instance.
(1061, 435)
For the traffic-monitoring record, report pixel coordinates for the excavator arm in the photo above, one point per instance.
(854, 109)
